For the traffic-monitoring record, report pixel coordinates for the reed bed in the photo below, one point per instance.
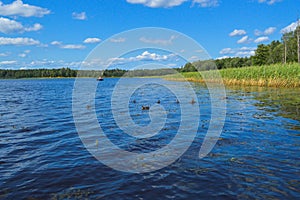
(277, 75)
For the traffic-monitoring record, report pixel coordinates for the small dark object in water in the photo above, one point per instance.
(177, 101)
(193, 101)
(134, 101)
(158, 101)
(145, 107)
(100, 78)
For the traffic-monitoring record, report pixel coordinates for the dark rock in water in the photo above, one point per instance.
(158, 101)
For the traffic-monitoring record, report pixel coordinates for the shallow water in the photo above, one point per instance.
(42, 156)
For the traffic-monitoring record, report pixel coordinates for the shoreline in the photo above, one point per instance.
(275, 83)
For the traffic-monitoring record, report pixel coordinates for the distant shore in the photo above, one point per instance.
(277, 75)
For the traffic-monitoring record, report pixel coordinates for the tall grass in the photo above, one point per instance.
(277, 75)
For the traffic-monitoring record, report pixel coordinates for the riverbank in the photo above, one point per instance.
(277, 75)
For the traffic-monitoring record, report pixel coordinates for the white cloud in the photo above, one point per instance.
(270, 2)
(91, 40)
(35, 27)
(18, 41)
(8, 62)
(227, 51)
(145, 56)
(118, 40)
(79, 16)
(257, 32)
(247, 48)
(267, 31)
(158, 41)
(206, 3)
(72, 46)
(3, 54)
(261, 39)
(290, 28)
(222, 57)
(55, 43)
(237, 52)
(12, 26)
(18, 8)
(245, 53)
(173, 3)
(67, 46)
(243, 40)
(22, 55)
(158, 3)
(237, 32)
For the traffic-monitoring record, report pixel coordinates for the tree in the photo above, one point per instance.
(262, 54)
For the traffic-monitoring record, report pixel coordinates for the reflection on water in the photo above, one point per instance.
(42, 157)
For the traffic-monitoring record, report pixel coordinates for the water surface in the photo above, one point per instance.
(42, 156)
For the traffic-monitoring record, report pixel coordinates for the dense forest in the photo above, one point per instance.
(282, 51)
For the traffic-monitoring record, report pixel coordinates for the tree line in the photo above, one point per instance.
(277, 51)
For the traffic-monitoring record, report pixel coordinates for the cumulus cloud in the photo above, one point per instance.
(158, 41)
(18, 8)
(24, 54)
(227, 51)
(3, 54)
(206, 3)
(55, 43)
(237, 32)
(237, 52)
(270, 2)
(8, 62)
(289, 28)
(72, 46)
(222, 57)
(67, 46)
(91, 40)
(18, 41)
(261, 39)
(173, 3)
(79, 16)
(243, 40)
(158, 3)
(12, 26)
(145, 56)
(117, 40)
(267, 31)
(245, 53)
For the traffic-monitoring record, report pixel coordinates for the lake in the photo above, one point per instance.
(43, 156)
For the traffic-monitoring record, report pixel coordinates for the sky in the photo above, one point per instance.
(55, 34)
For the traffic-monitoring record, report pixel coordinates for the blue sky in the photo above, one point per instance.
(53, 34)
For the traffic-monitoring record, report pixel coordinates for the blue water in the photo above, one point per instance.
(42, 156)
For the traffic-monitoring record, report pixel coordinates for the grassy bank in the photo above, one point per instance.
(278, 75)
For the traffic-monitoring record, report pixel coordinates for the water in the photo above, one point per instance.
(42, 157)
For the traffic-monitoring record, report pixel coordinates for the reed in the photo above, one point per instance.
(276, 75)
